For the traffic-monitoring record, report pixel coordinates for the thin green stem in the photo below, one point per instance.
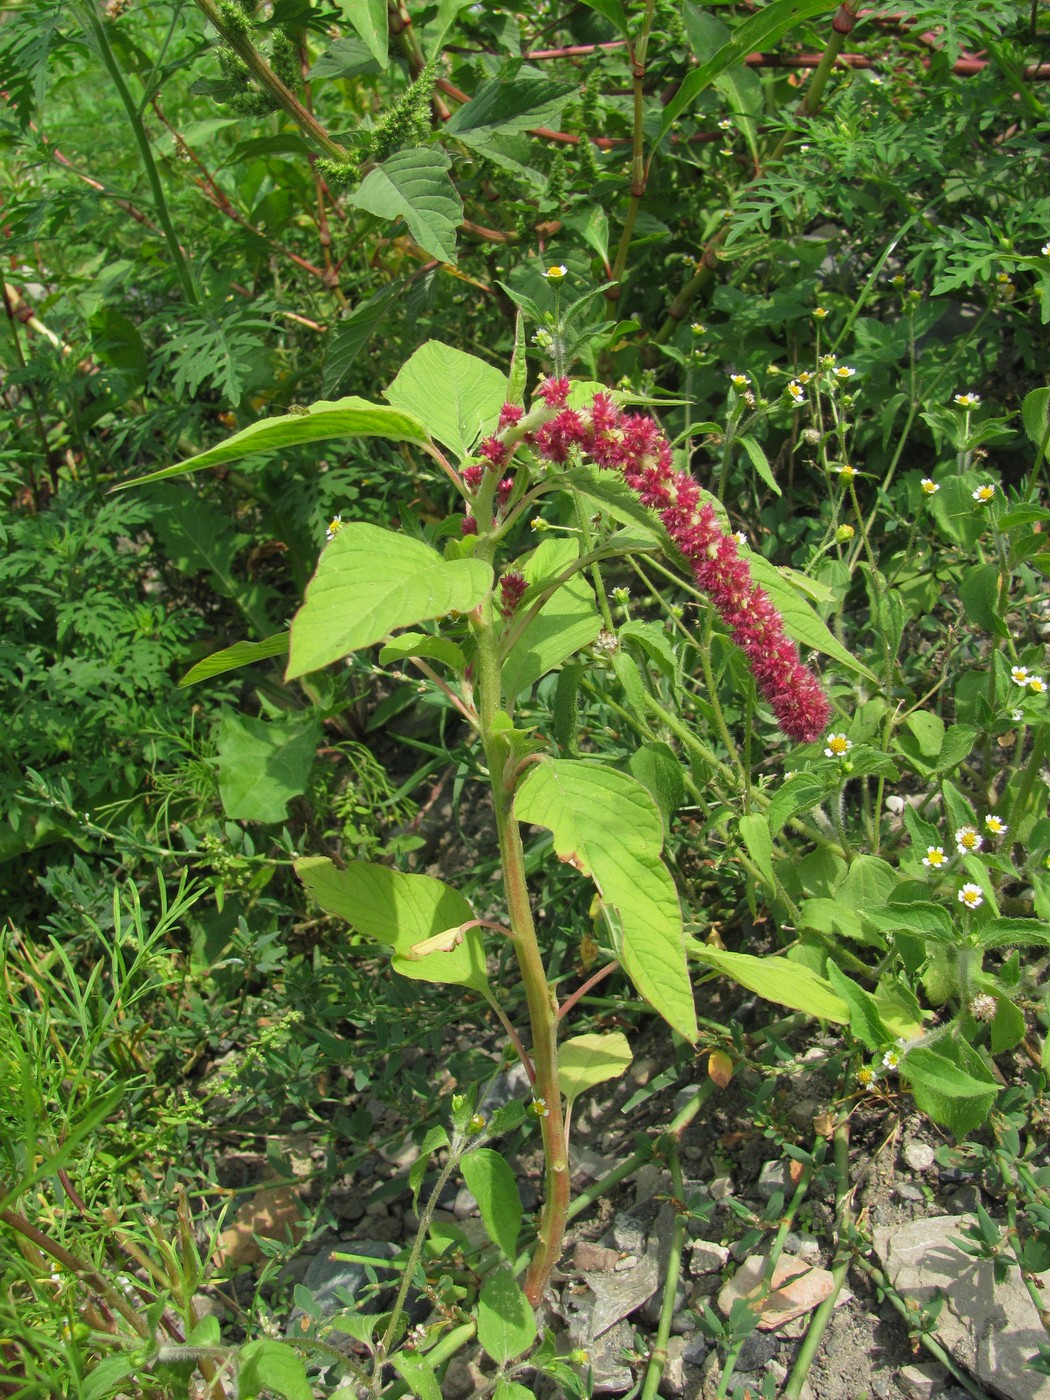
(638, 167)
(105, 52)
(658, 1355)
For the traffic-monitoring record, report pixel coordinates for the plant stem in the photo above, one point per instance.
(267, 78)
(639, 171)
(105, 52)
(543, 1010)
(658, 1354)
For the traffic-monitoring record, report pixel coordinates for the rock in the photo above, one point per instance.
(464, 1206)
(594, 1257)
(673, 1379)
(585, 1162)
(611, 1376)
(275, 1213)
(802, 1246)
(651, 1310)
(462, 1378)
(907, 1192)
(650, 1182)
(918, 1156)
(757, 1351)
(774, 1176)
(628, 1234)
(617, 1295)
(964, 1201)
(705, 1257)
(683, 1324)
(512, 1084)
(695, 1350)
(990, 1331)
(795, 1288)
(924, 1381)
(720, 1187)
(341, 1283)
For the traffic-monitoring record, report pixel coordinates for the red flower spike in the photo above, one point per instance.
(494, 451)
(554, 392)
(472, 476)
(510, 414)
(469, 525)
(512, 588)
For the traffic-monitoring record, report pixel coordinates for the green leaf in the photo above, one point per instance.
(928, 730)
(436, 1137)
(801, 622)
(422, 644)
(1035, 415)
(760, 462)
(348, 337)
(271, 1368)
(920, 916)
(448, 12)
(1014, 933)
(607, 826)
(416, 1372)
(263, 764)
(232, 658)
(492, 1184)
(796, 794)
(587, 1060)
(657, 767)
(511, 1390)
(455, 394)
(568, 621)
(780, 980)
(105, 1378)
(757, 33)
(506, 107)
(414, 185)
(864, 1019)
(369, 18)
(592, 224)
(1008, 1027)
(506, 1323)
(949, 1091)
(401, 911)
(368, 583)
(611, 10)
(348, 418)
(979, 595)
(754, 832)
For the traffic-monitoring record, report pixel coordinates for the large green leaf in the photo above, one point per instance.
(266, 1367)
(418, 1374)
(368, 583)
(952, 1084)
(351, 417)
(454, 393)
(506, 1323)
(742, 90)
(232, 658)
(759, 32)
(779, 980)
(401, 911)
(801, 622)
(567, 621)
(506, 107)
(369, 18)
(348, 337)
(607, 826)
(865, 1020)
(1035, 415)
(263, 764)
(492, 1184)
(414, 185)
(587, 1060)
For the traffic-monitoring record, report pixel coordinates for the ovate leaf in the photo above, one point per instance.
(779, 980)
(506, 1323)
(232, 658)
(401, 911)
(368, 583)
(369, 18)
(263, 764)
(271, 1368)
(348, 337)
(506, 107)
(587, 1060)
(493, 1185)
(414, 185)
(454, 393)
(607, 825)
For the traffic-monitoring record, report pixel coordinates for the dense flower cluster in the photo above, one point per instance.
(632, 445)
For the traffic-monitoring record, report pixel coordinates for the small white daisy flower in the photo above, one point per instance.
(934, 857)
(1017, 716)
(739, 381)
(740, 536)
(995, 825)
(844, 372)
(334, 526)
(1045, 250)
(967, 400)
(1037, 685)
(984, 494)
(837, 746)
(1019, 675)
(844, 471)
(929, 486)
(725, 124)
(556, 272)
(891, 1060)
(972, 896)
(795, 390)
(820, 312)
(968, 839)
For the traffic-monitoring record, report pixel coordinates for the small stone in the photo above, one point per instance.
(795, 1288)
(462, 1378)
(585, 1162)
(464, 1205)
(641, 1071)
(907, 1192)
(594, 1256)
(682, 1324)
(721, 1188)
(803, 1246)
(650, 1182)
(964, 1201)
(695, 1350)
(705, 1257)
(758, 1350)
(651, 1310)
(924, 1381)
(775, 1176)
(673, 1379)
(628, 1234)
(918, 1156)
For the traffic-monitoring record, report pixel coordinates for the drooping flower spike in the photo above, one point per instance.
(632, 445)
